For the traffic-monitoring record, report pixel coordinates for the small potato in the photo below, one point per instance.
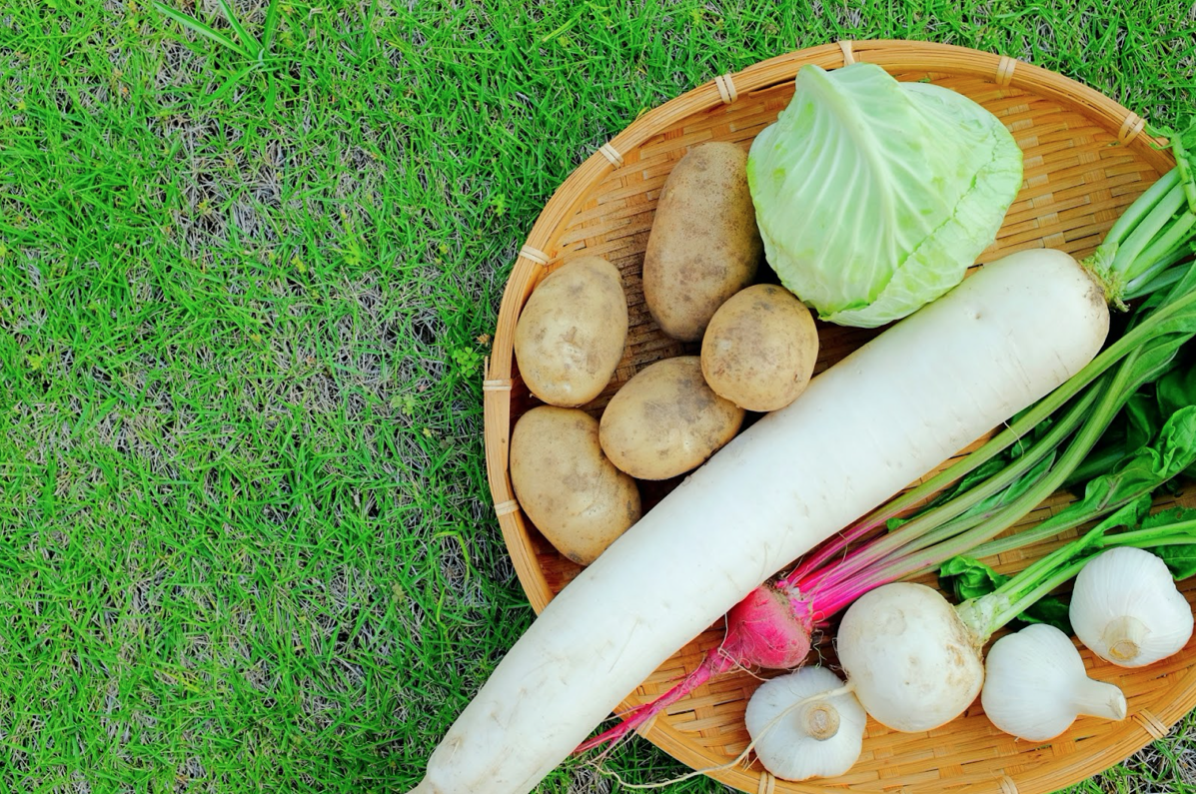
(760, 347)
(577, 499)
(704, 245)
(666, 421)
(571, 332)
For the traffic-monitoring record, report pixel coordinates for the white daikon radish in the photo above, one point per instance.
(880, 419)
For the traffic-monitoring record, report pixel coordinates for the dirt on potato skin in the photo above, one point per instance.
(760, 348)
(666, 421)
(704, 245)
(572, 331)
(565, 484)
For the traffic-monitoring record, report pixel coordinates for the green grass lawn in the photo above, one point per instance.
(247, 543)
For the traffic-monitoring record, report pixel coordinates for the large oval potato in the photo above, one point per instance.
(571, 332)
(704, 245)
(666, 421)
(577, 499)
(760, 347)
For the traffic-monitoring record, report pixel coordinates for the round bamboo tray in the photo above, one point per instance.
(1086, 159)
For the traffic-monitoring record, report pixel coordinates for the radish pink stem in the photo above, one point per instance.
(830, 601)
(716, 662)
(833, 548)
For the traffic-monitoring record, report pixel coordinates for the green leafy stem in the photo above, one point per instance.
(1051, 444)
(991, 600)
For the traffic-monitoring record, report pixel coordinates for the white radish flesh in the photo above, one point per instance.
(864, 429)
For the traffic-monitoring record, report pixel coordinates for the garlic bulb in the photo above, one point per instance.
(796, 740)
(1035, 685)
(1127, 609)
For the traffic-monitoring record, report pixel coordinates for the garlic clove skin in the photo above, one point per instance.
(1126, 608)
(821, 738)
(1036, 685)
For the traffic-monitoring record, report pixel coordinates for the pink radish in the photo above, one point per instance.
(766, 629)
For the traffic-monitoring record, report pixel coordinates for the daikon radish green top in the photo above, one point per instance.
(873, 196)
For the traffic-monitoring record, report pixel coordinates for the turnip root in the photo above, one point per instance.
(912, 662)
(880, 419)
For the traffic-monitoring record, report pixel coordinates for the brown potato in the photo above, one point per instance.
(760, 347)
(666, 421)
(704, 245)
(577, 499)
(571, 332)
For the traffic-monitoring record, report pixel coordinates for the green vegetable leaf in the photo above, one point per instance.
(1156, 357)
(1181, 559)
(873, 196)
(1125, 485)
(991, 503)
(1176, 389)
(969, 578)
(1137, 475)
(1013, 491)
(1176, 446)
(1172, 515)
(1052, 611)
(981, 474)
(1128, 515)
(1143, 421)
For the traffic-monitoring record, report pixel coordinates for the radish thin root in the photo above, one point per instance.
(714, 663)
(830, 693)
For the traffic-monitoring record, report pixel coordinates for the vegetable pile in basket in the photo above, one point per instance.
(869, 198)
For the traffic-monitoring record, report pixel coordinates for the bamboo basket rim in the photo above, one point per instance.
(541, 252)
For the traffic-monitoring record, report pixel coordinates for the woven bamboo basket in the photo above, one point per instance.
(1086, 159)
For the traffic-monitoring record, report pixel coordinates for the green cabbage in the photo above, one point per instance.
(874, 196)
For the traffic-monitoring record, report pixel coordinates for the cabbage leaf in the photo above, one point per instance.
(874, 196)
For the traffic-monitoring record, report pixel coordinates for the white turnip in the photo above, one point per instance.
(911, 661)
